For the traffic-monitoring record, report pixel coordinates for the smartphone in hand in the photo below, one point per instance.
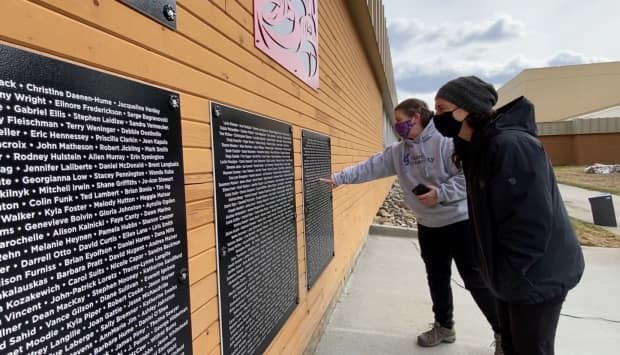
(420, 189)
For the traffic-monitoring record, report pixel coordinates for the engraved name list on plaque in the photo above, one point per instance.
(92, 235)
(318, 205)
(256, 227)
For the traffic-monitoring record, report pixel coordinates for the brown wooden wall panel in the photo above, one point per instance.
(203, 291)
(559, 148)
(201, 266)
(211, 57)
(583, 149)
(208, 341)
(597, 148)
(204, 317)
(196, 192)
(201, 239)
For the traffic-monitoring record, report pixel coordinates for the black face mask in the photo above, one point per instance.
(447, 125)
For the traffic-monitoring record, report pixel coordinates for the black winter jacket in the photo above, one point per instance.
(527, 247)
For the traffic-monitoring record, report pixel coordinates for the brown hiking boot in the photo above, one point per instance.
(436, 335)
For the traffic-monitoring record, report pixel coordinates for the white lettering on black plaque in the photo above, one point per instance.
(318, 210)
(256, 228)
(92, 239)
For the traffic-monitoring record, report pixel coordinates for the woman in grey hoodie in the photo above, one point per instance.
(424, 157)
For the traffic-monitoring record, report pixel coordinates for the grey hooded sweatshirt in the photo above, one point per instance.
(425, 160)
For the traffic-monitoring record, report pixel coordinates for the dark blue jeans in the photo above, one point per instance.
(439, 246)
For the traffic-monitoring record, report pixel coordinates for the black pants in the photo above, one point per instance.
(438, 247)
(529, 329)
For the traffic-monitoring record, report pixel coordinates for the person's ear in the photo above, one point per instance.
(459, 114)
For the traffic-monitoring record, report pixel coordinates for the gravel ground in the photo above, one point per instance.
(394, 212)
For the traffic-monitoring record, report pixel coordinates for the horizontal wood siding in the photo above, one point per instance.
(211, 57)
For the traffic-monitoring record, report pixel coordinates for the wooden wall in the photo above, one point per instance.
(211, 56)
(560, 149)
(597, 148)
(583, 149)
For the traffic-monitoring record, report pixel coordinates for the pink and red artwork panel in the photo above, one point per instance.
(287, 31)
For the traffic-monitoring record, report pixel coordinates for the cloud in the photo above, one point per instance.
(428, 97)
(567, 57)
(413, 32)
(423, 78)
(407, 32)
(497, 30)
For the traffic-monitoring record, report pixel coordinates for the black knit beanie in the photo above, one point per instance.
(469, 93)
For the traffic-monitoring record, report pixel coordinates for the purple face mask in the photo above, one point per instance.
(403, 128)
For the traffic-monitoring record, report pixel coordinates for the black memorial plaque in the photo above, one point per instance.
(318, 208)
(162, 11)
(92, 241)
(256, 227)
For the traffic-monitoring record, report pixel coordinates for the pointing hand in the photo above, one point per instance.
(329, 181)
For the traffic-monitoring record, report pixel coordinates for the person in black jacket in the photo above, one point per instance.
(529, 255)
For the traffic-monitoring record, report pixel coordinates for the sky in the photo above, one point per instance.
(435, 41)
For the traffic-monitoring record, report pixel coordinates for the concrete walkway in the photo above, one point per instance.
(386, 304)
(578, 206)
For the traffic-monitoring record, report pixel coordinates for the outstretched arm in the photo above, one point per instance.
(378, 166)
